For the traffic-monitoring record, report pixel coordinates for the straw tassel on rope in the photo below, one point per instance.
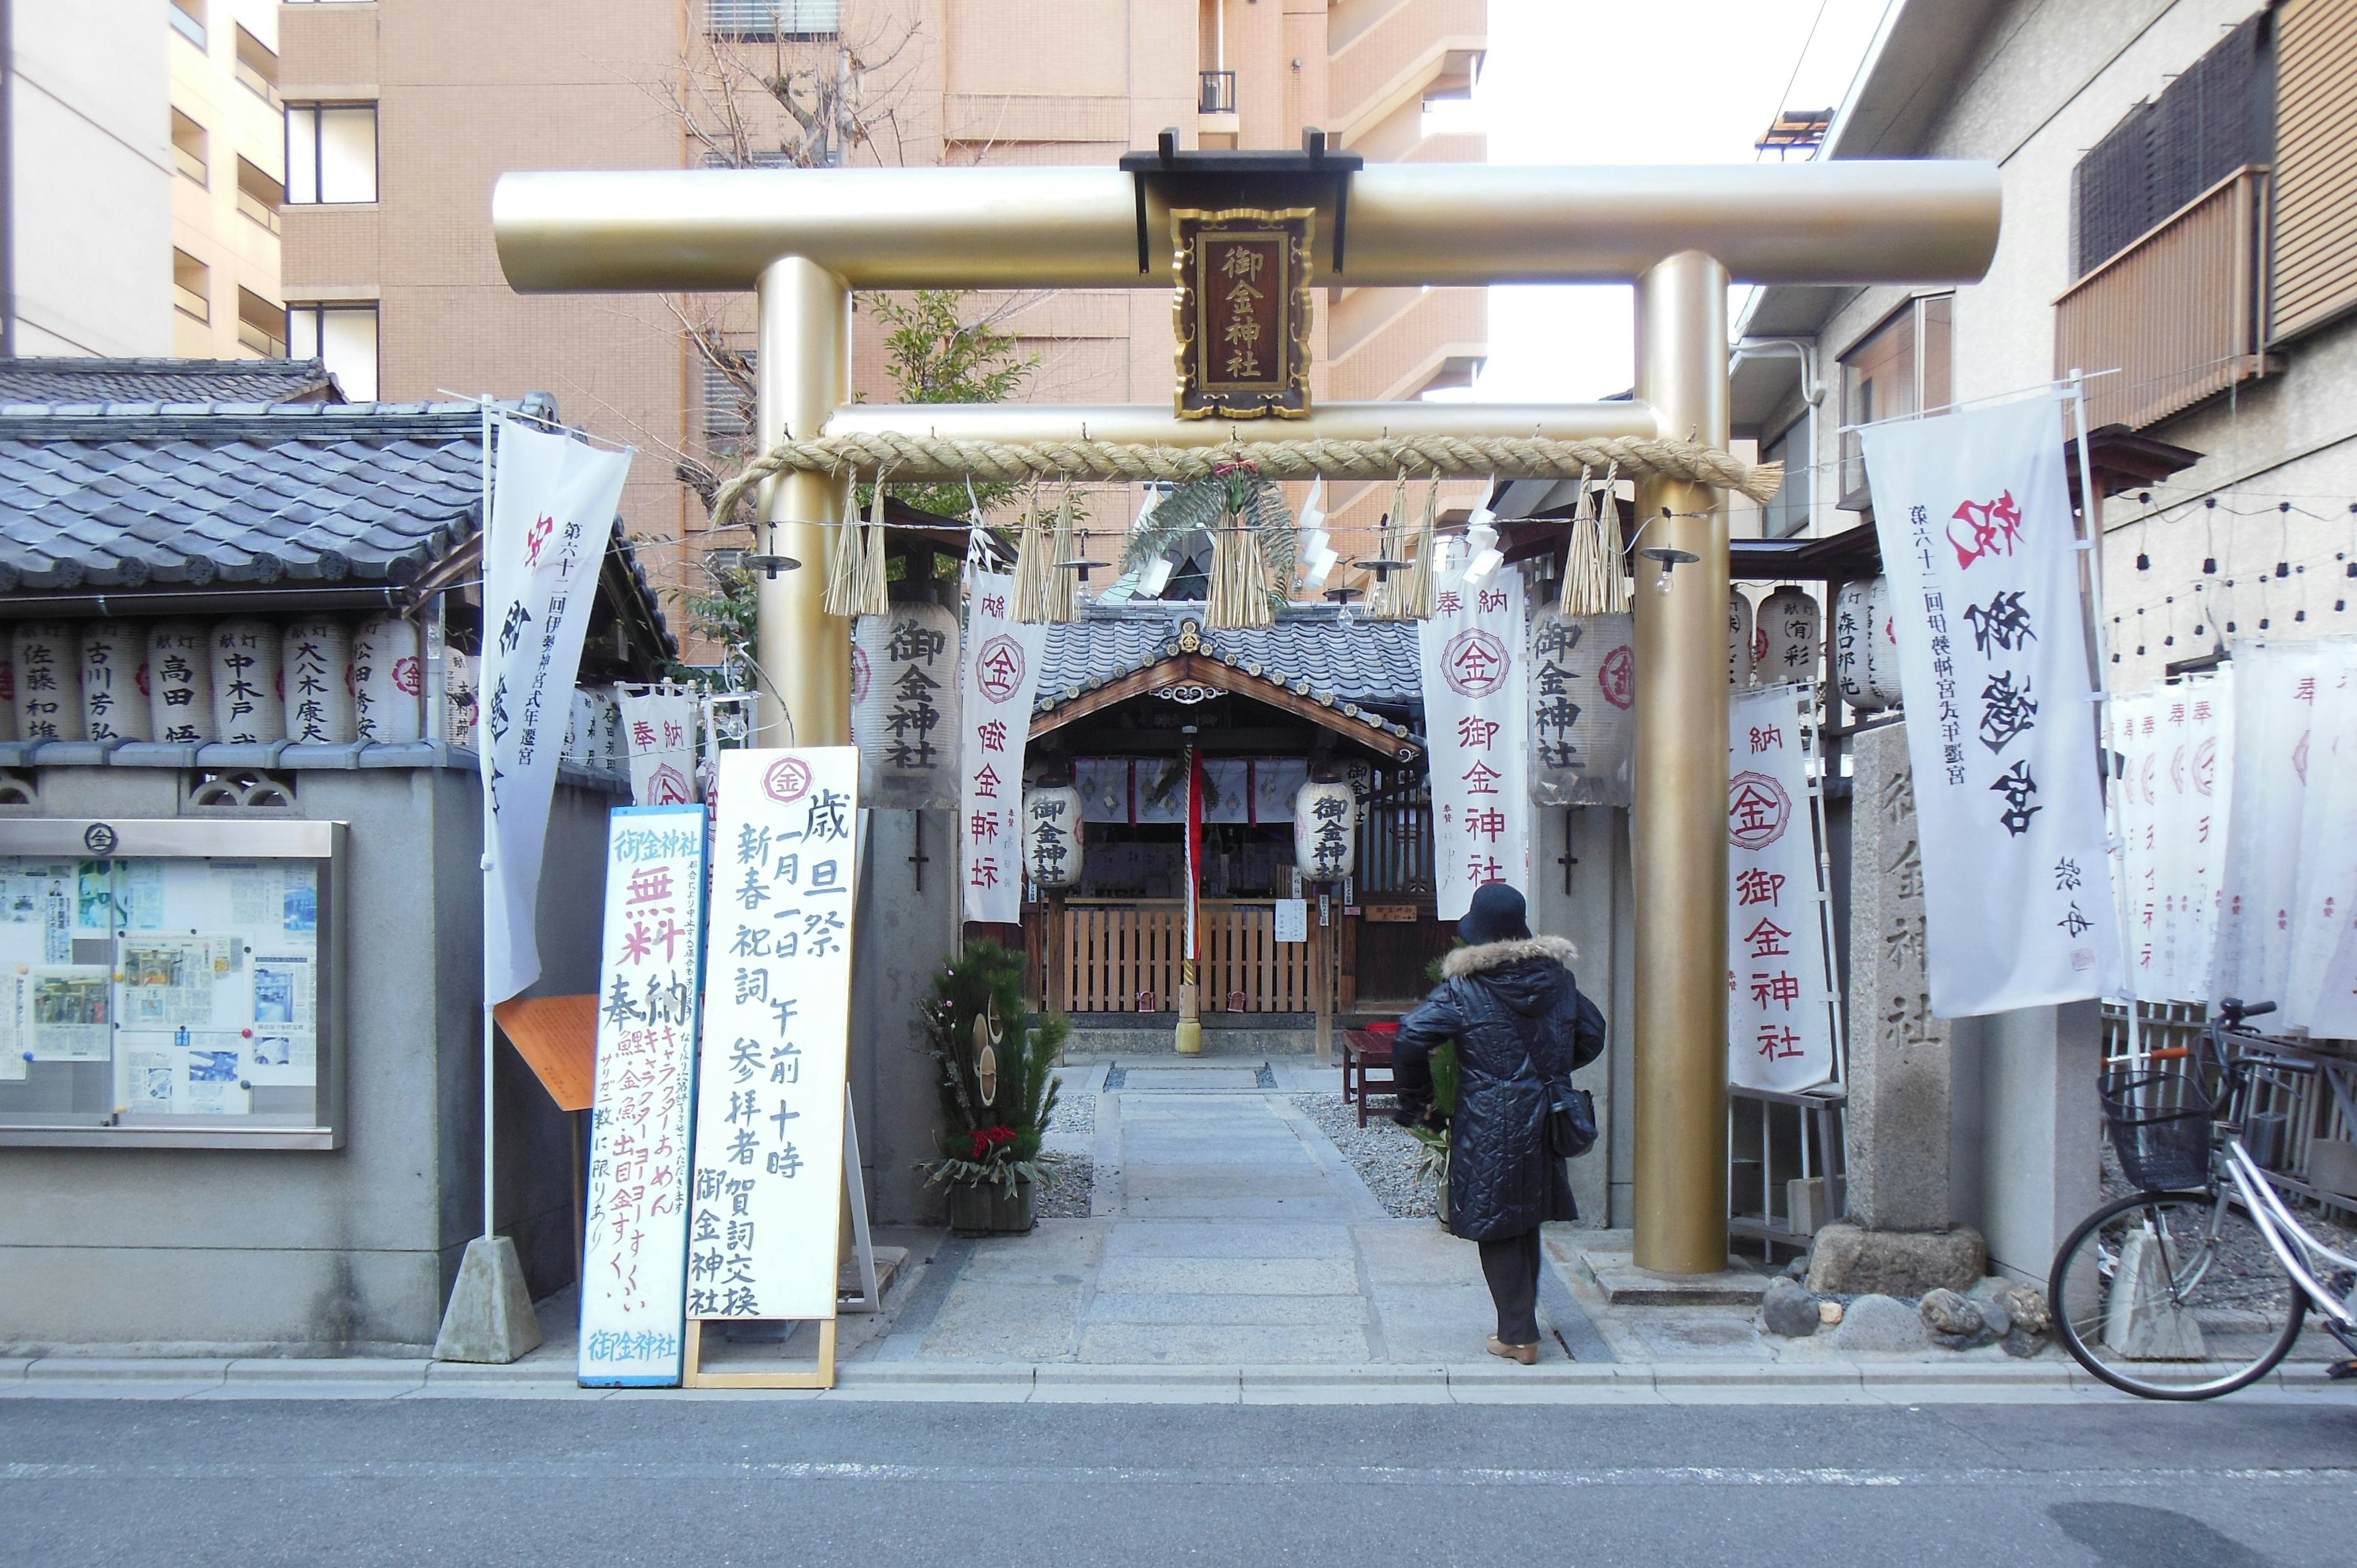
(1060, 595)
(1240, 588)
(1384, 595)
(1416, 599)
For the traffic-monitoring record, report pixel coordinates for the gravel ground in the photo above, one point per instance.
(1071, 1182)
(1383, 1155)
(2246, 1251)
(1076, 1115)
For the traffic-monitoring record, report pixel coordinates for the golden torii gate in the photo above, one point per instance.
(804, 239)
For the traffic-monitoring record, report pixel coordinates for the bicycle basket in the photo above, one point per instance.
(2160, 1129)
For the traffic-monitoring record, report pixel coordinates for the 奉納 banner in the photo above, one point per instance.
(553, 500)
(999, 674)
(1780, 1030)
(658, 737)
(634, 1270)
(1475, 673)
(1973, 517)
(764, 1219)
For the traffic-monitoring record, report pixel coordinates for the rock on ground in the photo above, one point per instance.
(1880, 1323)
(1848, 1260)
(1956, 1323)
(1789, 1309)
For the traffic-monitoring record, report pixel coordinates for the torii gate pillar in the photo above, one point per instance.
(801, 375)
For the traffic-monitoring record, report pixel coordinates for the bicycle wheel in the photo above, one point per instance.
(2174, 1295)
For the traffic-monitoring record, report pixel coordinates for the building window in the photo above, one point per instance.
(189, 20)
(259, 197)
(728, 409)
(257, 67)
(261, 325)
(188, 147)
(1899, 369)
(767, 20)
(1787, 511)
(330, 153)
(192, 286)
(342, 337)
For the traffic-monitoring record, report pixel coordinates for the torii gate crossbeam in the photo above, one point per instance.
(804, 239)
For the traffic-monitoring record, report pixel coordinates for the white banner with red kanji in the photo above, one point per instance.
(634, 1270)
(999, 674)
(1978, 542)
(658, 733)
(1779, 1028)
(1475, 706)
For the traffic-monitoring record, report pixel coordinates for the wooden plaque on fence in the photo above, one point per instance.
(1392, 914)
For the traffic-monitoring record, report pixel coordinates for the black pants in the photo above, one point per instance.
(1511, 1264)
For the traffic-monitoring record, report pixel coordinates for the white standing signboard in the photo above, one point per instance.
(1980, 547)
(1475, 676)
(766, 1212)
(1779, 1000)
(999, 674)
(634, 1275)
(553, 500)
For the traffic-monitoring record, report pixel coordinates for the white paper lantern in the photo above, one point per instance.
(47, 656)
(114, 680)
(905, 707)
(1788, 626)
(1052, 838)
(1325, 831)
(1851, 626)
(388, 680)
(249, 697)
(580, 718)
(180, 683)
(1739, 639)
(1582, 691)
(1881, 646)
(319, 681)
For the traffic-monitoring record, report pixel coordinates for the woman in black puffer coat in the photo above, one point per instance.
(1508, 1001)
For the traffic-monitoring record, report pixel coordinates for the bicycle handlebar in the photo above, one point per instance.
(2236, 1010)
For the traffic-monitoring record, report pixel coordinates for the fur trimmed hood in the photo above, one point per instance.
(1462, 961)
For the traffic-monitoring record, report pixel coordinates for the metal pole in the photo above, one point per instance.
(2091, 540)
(1678, 829)
(803, 373)
(490, 861)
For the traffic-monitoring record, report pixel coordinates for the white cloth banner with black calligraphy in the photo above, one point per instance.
(553, 500)
(999, 674)
(1977, 539)
(1780, 1032)
(777, 1026)
(1475, 707)
(634, 1271)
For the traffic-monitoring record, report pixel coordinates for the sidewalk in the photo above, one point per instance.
(1231, 1255)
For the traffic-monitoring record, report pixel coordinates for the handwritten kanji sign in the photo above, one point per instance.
(769, 1113)
(1243, 312)
(634, 1271)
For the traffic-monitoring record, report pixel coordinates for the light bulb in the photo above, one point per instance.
(1661, 582)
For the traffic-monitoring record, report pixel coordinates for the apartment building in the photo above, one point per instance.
(142, 187)
(414, 107)
(2180, 224)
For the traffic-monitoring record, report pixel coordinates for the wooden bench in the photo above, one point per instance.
(1363, 1049)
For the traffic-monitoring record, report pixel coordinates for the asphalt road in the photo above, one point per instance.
(490, 1481)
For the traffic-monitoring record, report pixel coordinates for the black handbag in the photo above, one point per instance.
(1570, 1122)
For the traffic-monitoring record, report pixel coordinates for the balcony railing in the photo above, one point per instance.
(262, 212)
(1218, 93)
(2176, 313)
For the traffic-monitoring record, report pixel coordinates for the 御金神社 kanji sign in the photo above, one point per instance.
(1243, 312)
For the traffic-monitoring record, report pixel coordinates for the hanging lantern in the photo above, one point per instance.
(1739, 639)
(1849, 644)
(1325, 831)
(249, 697)
(905, 712)
(388, 680)
(1881, 646)
(1582, 691)
(1788, 632)
(317, 654)
(180, 683)
(47, 656)
(113, 679)
(1051, 835)
(459, 678)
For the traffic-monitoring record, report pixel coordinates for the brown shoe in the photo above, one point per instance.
(1528, 1354)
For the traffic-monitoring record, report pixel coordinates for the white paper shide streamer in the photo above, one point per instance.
(1978, 540)
(1779, 1004)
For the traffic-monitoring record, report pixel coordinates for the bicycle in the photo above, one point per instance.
(2200, 1283)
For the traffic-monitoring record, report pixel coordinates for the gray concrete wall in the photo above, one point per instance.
(1596, 914)
(345, 1250)
(2025, 1146)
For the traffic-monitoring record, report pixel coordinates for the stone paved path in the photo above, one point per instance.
(1226, 1229)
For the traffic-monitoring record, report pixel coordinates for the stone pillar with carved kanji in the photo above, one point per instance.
(1896, 1236)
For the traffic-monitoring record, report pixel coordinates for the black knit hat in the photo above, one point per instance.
(1497, 914)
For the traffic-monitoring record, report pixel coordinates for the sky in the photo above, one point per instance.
(1593, 82)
